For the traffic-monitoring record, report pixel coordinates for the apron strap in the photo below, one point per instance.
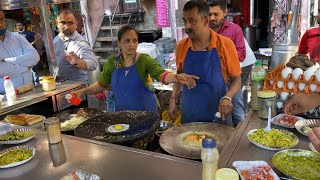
(118, 58)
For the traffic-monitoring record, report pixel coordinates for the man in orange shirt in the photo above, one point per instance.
(211, 57)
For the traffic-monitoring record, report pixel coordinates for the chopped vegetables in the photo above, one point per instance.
(195, 137)
(287, 120)
(15, 156)
(257, 173)
(274, 138)
(17, 135)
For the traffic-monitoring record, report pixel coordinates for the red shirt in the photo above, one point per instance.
(310, 43)
(234, 32)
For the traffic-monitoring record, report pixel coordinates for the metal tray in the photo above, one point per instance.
(297, 166)
(283, 125)
(272, 148)
(309, 122)
(170, 140)
(19, 141)
(20, 162)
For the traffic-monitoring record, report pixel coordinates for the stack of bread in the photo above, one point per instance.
(22, 119)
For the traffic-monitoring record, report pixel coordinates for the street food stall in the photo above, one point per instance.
(135, 145)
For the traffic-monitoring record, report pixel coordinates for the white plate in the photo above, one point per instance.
(312, 148)
(247, 165)
(18, 141)
(20, 162)
(38, 125)
(299, 125)
(271, 148)
(283, 125)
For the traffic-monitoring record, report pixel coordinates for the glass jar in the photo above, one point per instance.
(52, 125)
(266, 99)
(48, 83)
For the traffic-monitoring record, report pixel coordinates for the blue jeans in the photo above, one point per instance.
(238, 111)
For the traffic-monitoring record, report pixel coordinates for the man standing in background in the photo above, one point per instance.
(218, 12)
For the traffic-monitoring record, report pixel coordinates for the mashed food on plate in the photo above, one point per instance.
(15, 156)
(275, 138)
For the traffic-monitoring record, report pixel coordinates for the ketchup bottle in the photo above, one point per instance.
(73, 100)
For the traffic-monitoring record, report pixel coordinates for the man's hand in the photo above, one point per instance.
(72, 58)
(225, 108)
(300, 103)
(188, 80)
(79, 92)
(314, 137)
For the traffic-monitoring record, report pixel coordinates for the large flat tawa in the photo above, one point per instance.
(172, 140)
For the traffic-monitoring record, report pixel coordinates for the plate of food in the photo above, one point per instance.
(304, 127)
(249, 170)
(285, 120)
(16, 156)
(17, 136)
(28, 120)
(298, 164)
(274, 140)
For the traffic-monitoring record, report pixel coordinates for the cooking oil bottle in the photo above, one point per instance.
(258, 74)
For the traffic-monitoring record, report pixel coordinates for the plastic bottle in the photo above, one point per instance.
(210, 158)
(73, 100)
(8, 87)
(258, 74)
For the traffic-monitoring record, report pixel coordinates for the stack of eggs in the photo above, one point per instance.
(299, 74)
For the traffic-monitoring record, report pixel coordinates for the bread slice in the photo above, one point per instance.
(15, 119)
(33, 119)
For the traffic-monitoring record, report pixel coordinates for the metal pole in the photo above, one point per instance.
(47, 34)
(251, 12)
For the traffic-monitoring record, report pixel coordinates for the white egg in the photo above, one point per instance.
(279, 105)
(271, 82)
(285, 72)
(118, 128)
(290, 85)
(284, 95)
(309, 73)
(318, 75)
(313, 87)
(301, 86)
(280, 84)
(296, 73)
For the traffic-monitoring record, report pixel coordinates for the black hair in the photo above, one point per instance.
(203, 7)
(221, 3)
(124, 29)
(66, 12)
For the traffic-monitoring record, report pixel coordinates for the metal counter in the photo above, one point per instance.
(241, 149)
(106, 160)
(37, 95)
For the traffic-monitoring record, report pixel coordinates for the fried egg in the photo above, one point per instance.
(118, 128)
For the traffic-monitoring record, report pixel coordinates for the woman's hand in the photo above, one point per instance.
(188, 80)
(79, 92)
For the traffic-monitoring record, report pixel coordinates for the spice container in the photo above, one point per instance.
(266, 99)
(53, 130)
(48, 83)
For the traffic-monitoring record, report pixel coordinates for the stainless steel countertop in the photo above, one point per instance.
(37, 95)
(246, 151)
(106, 160)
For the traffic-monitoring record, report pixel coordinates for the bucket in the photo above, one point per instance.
(281, 54)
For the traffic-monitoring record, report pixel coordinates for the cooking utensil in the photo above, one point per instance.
(82, 113)
(142, 126)
(268, 128)
(290, 134)
(298, 164)
(172, 140)
(300, 125)
(164, 125)
(55, 72)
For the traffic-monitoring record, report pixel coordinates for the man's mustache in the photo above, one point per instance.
(189, 31)
(66, 32)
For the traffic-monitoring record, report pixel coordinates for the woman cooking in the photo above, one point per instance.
(127, 73)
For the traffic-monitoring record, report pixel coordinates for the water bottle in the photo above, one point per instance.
(111, 105)
(258, 74)
(8, 87)
(73, 99)
(210, 158)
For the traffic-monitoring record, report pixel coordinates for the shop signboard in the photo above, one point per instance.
(162, 13)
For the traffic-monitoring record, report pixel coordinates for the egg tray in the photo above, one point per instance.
(275, 76)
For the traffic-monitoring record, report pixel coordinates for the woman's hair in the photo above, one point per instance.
(124, 29)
